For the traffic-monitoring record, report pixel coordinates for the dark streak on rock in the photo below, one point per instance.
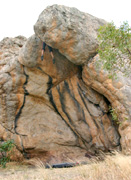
(79, 89)
(39, 68)
(9, 74)
(80, 110)
(72, 95)
(19, 113)
(49, 92)
(20, 110)
(52, 102)
(62, 99)
(101, 123)
(86, 124)
(49, 85)
(7, 128)
(42, 70)
(23, 149)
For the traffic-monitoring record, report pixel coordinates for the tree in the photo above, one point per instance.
(115, 47)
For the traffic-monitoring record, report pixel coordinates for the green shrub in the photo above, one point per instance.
(5, 151)
(114, 114)
(115, 47)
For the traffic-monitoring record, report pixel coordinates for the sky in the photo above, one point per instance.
(17, 17)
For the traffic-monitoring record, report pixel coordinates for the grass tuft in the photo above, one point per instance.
(113, 167)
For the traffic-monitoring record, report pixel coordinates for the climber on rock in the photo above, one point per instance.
(50, 50)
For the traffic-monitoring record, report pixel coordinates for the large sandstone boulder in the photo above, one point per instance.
(72, 32)
(61, 111)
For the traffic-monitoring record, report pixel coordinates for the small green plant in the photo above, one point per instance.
(5, 152)
(114, 115)
(115, 48)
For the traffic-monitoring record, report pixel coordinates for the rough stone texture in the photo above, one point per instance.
(11, 78)
(55, 112)
(72, 32)
(117, 91)
(59, 111)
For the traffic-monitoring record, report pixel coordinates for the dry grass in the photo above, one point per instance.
(117, 167)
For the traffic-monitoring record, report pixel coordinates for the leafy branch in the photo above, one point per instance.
(115, 47)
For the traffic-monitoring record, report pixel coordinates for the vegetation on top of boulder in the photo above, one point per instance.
(115, 47)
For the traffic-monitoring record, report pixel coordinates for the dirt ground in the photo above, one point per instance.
(21, 172)
(116, 167)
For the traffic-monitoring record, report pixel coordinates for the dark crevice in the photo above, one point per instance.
(80, 71)
(21, 108)
(77, 104)
(56, 110)
(49, 92)
(96, 105)
(87, 125)
(62, 99)
(90, 58)
(7, 129)
(107, 101)
(23, 149)
(52, 102)
(108, 114)
(18, 114)
(101, 123)
(72, 95)
(113, 123)
(49, 84)
(9, 74)
(81, 95)
(42, 70)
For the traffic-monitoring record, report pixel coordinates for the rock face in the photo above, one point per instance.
(70, 31)
(118, 93)
(61, 111)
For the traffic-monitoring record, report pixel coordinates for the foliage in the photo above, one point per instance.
(5, 150)
(115, 47)
(114, 114)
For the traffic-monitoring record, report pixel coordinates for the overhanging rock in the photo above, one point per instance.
(69, 30)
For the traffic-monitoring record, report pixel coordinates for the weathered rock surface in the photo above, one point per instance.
(117, 91)
(61, 111)
(72, 32)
